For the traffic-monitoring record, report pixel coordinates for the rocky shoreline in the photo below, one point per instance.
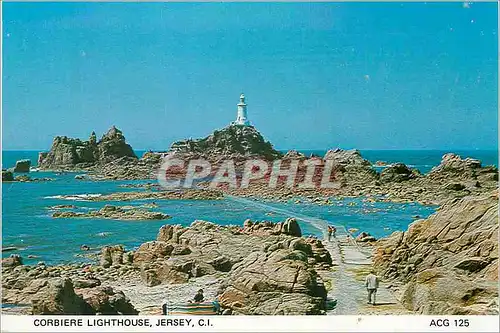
(257, 268)
(445, 264)
(448, 263)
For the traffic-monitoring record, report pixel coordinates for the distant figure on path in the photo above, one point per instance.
(198, 298)
(371, 283)
(334, 230)
(330, 231)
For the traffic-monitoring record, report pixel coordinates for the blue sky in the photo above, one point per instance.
(316, 75)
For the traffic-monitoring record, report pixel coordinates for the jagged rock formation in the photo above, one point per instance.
(204, 248)
(448, 263)
(294, 155)
(232, 141)
(453, 166)
(346, 157)
(75, 153)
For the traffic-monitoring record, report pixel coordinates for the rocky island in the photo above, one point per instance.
(75, 154)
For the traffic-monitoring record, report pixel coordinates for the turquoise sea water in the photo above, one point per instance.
(27, 223)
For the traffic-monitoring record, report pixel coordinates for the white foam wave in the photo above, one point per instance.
(75, 197)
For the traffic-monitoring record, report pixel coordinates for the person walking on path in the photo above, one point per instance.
(330, 231)
(371, 283)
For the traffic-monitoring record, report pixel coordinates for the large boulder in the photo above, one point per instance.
(291, 227)
(151, 251)
(106, 301)
(447, 263)
(274, 283)
(112, 255)
(22, 166)
(398, 172)
(57, 296)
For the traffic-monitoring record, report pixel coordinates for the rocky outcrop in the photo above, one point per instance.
(365, 237)
(12, 261)
(288, 227)
(398, 172)
(57, 296)
(7, 176)
(75, 153)
(184, 194)
(129, 213)
(346, 157)
(294, 155)
(448, 263)
(274, 283)
(22, 166)
(452, 166)
(105, 301)
(232, 141)
(286, 261)
(112, 255)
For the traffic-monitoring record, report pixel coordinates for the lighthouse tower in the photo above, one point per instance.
(241, 118)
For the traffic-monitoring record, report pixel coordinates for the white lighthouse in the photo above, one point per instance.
(241, 118)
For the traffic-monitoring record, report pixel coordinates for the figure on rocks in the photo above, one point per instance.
(371, 283)
(198, 298)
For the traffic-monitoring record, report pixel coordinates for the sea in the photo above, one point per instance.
(29, 230)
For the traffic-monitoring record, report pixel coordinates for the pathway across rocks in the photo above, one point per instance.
(352, 264)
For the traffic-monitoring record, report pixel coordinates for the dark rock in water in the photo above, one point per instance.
(12, 261)
(231, 141)
(398, 172)
(69, 153)
(7, 176)
(22, 166)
